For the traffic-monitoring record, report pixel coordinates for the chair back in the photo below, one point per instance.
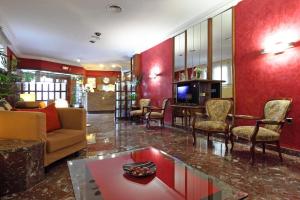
(218, 109)
(164, 105)
(144, 102)
(276, 110)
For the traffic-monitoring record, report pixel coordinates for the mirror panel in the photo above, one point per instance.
(222, 51)
(179, 56)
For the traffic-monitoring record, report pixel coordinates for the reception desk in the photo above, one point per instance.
(100, 101)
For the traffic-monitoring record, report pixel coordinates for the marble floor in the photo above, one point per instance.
(267, 179)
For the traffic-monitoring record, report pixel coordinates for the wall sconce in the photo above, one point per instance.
(277, 48)
(154, 73)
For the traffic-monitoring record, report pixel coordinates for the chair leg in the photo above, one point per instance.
(226, 140)
(148, 123)
(232, 141)
(194, 137)
(207, 138)
(182, 121)
(264, 147)
(162, 123)
(279, 150)
(252, 150)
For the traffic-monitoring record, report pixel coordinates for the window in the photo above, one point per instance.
(45, 91)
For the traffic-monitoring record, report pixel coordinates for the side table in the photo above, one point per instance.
(21, 165)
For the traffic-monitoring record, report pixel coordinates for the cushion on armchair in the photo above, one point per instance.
(262, 135)
(134, 113)
(211, 125)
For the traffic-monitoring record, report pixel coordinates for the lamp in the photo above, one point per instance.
(28, 97)
(278, 47)
(154, 73)
(61, 103)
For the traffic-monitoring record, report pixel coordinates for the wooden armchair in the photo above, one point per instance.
(267, 129)
(214, 120)
(156, 113)
(140, 111)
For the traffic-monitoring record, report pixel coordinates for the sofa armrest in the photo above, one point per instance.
(23, 125)
(72, 118)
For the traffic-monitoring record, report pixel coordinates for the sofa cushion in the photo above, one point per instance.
(52, 118)
(4, 104)
(62, 138)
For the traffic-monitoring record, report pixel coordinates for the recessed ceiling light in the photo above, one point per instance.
(114, 8)
(113, 66)
(97, 34)
(78, 60)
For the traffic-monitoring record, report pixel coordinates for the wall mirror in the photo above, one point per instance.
(179, 57)
(222, 51)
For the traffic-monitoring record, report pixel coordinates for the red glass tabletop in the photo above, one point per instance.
(104, 178)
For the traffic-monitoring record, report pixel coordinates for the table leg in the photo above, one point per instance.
(185, 117)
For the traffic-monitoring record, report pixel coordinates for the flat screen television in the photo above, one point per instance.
(188, 93)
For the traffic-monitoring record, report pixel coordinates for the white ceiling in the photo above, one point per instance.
(60, 30)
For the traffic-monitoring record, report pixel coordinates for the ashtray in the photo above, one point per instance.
(140, 169)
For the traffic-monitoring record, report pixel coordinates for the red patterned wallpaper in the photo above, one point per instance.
(260, 77)
(160, 59)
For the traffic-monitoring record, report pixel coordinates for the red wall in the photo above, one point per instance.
(90, 73)
(161, 57)
(25, 63)
(260, 77)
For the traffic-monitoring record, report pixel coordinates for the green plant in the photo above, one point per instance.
(8, 80)
(28, 76)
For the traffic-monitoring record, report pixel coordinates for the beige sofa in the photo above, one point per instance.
(32, 126)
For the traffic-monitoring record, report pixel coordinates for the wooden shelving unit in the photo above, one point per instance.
(125, 96)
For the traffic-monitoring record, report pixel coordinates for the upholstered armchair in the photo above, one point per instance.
(140, 112)
(156, 113)
(214, 120)
(267, 129)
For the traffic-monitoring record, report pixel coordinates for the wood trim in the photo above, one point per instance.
(233, 60)
(185, 56)
(209, 49)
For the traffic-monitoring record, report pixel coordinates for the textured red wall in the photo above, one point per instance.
(160, 57)
(260, 77)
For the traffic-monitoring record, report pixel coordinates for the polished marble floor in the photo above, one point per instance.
(267, 179)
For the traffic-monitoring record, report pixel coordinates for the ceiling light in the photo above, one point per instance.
(101, 65)
(78, 60)
(97, 34)
(114, 8)
(113, 66)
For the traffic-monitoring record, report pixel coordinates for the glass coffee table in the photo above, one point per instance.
(103, 177)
